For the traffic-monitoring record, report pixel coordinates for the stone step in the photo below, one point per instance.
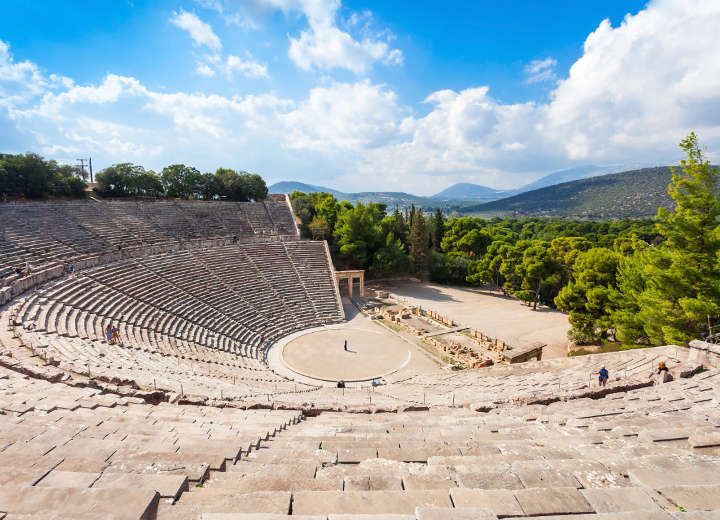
(693, 498)
(167, 486)
(228, 501)
(247, 484)
(121, 504)
(367, 502)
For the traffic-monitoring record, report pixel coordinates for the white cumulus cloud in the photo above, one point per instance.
(323, 45)
(637, 90)
(538, 71)
(345, 117)
(247, 67)
(200, 32)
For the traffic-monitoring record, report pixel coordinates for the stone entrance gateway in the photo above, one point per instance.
(351, 276)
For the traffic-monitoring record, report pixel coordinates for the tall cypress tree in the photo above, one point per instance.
(437, 229)
(419, 251)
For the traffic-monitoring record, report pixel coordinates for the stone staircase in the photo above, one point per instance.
(80, 452)
(72, 452)
(647, 454)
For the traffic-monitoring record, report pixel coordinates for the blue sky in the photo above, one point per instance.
(368, 95)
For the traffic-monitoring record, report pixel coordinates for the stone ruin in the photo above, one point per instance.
(183, 419)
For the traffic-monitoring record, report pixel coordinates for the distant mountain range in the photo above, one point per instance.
(583, 192)
(629, 194)
(469, 191)
(460, 194)
(290, 186)
(570, 174)
(391, 198)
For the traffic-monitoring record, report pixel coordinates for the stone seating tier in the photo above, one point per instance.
(51, 233)
(645, 454)
(223, 305)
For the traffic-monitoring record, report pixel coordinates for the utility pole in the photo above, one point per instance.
(82, 166)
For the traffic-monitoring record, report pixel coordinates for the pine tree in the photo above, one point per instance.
(588, 295)
(682, 286)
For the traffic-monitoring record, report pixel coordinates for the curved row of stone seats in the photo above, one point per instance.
(622, 457)
(549, 379)
(238, 298)
(198, 373)
(650, 451)
(71, 452)
(492, 387)
(45, 233)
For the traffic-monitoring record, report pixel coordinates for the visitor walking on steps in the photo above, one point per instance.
(603, 376)
(109, 334)
(116, 336)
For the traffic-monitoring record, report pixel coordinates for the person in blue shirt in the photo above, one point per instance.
(603, 375)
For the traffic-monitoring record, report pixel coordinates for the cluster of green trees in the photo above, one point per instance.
(662, 293)
(636, 281)
(29, 175)
(366, 236)
(181, 181)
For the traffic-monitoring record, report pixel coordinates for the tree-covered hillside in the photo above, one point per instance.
(631, 194)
